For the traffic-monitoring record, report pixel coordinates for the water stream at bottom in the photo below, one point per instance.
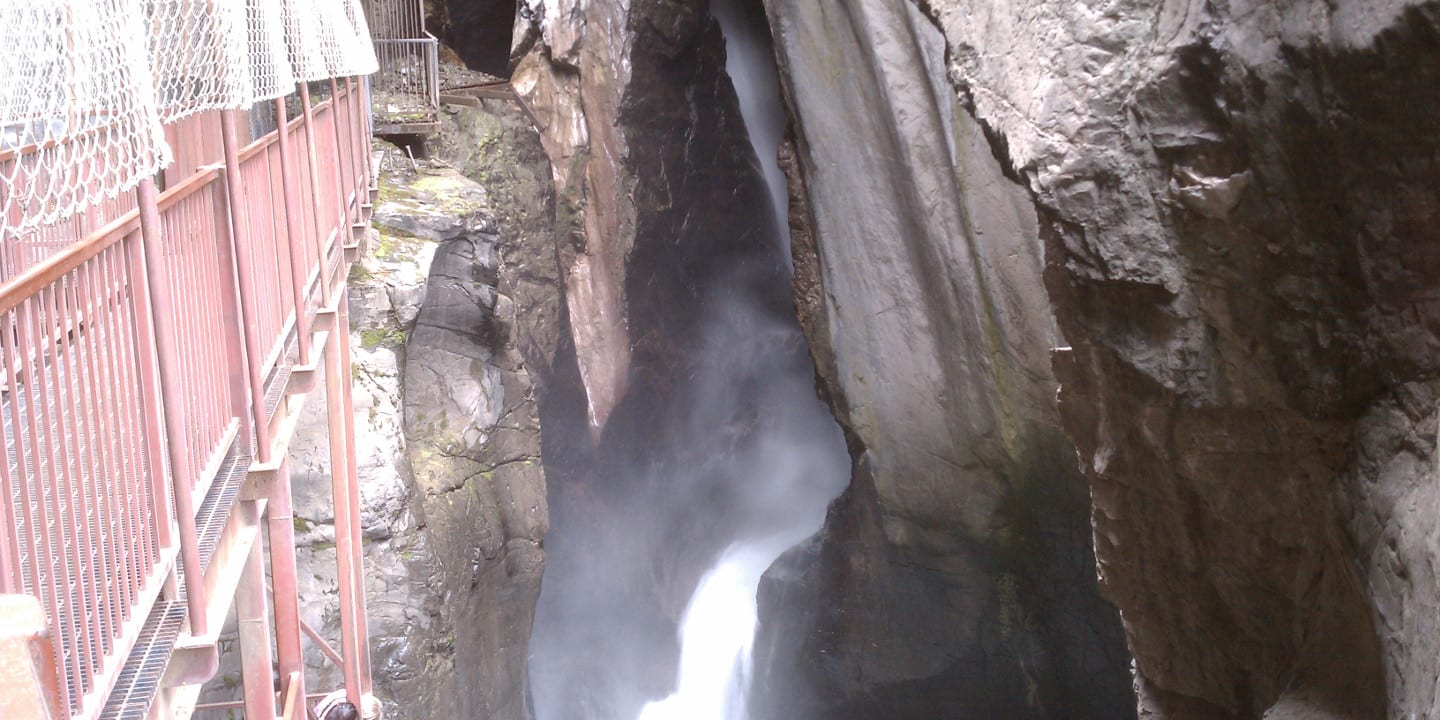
(717, 633)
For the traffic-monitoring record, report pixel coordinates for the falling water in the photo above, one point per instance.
(751, 65)
(717, 631)
(742, 469)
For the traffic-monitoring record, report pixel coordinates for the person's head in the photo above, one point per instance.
(342, 711)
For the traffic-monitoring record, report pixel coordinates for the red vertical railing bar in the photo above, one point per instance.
(250, 349)
(344, 156)
(170, 386)
(132, 556)
(128, 368)
(141, 368)
(321, 237)
(33, 505)
(10, 540)
(23, 469)
(352, 498)
(66, 645)
(284, 575)
(233, 318)
(298, 265)
(55, 485)
(72, 428)
(106, 463)
(352, 137)
(336, 382)
(11, 548)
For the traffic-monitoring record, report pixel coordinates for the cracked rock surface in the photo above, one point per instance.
(1234, 202)
(448, 436)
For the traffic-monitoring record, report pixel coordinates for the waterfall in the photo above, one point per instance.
(750, 62)
(717, 631)
(701, 484)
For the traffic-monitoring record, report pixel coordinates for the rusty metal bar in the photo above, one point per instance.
(254, 635)
(321, 239)
(298, 267)
(284, 575)
(182, 483)
(336, 380)
(320, 642)
(339, 111)
(247, 346)
(352, 496)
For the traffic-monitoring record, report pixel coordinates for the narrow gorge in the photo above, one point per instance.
(906, 360)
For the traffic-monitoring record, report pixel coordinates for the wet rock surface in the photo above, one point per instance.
(956, 574)
(1232, 199)
(1207, 222)
(453, 494)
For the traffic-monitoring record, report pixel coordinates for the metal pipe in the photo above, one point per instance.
(254, 633)
(284, 575)
(352, 496)
(170, 388)
(320, 642)
(246, 348)
(342, 194)
(336, 379)
(320, 237)
(148, 367)
(298, 270)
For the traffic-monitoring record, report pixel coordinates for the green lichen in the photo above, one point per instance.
(386, 336)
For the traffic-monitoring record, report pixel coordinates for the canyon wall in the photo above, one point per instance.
(956, 574)
(453, 305)
(1235, 203)
(1206, 222)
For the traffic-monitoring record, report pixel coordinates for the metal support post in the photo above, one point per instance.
(151, 403)
(298, 271)
(243, 264)
(357, 546)
(171, 389)
(284, 577)
(337, 378)
(254, 635)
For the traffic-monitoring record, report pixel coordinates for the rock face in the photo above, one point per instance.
(1231, 201)
(956, 574)
(447, 426)
(1234, 200)
(575, 77)
(663, 226)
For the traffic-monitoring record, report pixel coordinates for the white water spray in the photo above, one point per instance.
(717, 634)
(750, 469)
(751, 65)
(717, 631)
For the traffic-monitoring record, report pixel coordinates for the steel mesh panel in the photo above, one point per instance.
(86, 86)
(199, 56)
(78, 111)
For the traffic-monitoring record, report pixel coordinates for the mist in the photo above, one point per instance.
(750, 63)
(660, 540)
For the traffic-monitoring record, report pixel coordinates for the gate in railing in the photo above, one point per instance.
(406, 89)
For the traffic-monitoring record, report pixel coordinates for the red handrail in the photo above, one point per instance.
(130, 362)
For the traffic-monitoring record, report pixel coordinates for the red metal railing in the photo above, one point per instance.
(32, 247)
(133, 359)
(88, 521)
(407, 88)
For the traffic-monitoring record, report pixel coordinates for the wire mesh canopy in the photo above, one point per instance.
(87, 85)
